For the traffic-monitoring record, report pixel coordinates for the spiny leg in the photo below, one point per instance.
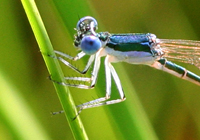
(81, 79)
(58, 112)
(109, 69)
(92, 79)
(77, 57)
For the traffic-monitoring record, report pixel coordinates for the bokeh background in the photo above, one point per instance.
(171, 105)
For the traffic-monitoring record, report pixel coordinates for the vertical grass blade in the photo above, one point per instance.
(53, 68)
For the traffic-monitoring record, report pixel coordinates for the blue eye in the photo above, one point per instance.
(90, 44)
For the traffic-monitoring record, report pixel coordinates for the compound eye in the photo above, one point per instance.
(90, 44)
(85, 24)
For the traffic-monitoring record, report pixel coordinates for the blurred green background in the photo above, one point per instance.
(172, 105)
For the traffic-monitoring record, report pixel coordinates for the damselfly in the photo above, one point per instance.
(133, 48)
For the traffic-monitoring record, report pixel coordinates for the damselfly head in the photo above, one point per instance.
(86, 24)
(86, 38)
(90, 44)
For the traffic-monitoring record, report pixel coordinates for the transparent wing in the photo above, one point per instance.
(186, 51)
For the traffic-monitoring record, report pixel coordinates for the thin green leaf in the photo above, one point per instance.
(53, 68)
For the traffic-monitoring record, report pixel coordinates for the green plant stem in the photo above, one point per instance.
(54, 68)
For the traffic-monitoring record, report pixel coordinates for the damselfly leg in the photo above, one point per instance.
(109, 70)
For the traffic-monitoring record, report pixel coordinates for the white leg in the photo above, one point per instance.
(92, 79)
(77, 57)
(102, 101)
